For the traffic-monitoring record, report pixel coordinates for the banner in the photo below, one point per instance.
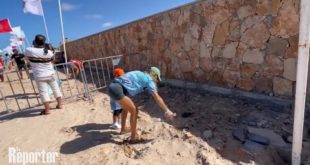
(33, 7)
(5, 26)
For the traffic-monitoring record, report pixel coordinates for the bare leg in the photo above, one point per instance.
(117, 119)
(59, 102)
(47, 107)
(123, 121)
(114, 119)
(21, 74)
(129, 106)
(2, 78)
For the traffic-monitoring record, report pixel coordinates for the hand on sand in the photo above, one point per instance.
(170, 115)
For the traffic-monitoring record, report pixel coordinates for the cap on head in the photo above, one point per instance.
(15, 50)
(39, 40)
(118, 72)
(156, 71)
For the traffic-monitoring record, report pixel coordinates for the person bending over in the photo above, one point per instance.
(133, 83)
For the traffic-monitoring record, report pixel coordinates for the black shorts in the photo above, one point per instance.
(116, 91)
(21, 66)
(117, 112)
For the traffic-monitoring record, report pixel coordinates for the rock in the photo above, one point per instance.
(187, 135)
(220, 34)
(262, 123)
(206, 64)
(256, 36)
(240, 134)
(253, 56)
(274, 65)
(253, 148)
(258, 139)
(264, 85)
(277, 46)
(245, 11)
(287, 21)
(275, 139)
(282, 87)
(275, 5)
(204, 50)
(185, 66)
(292, 51)
(250, 22)
(207, 134)
(248, 70)
(246, 84)
(290, 67)
(262, 7)
(231, 77)
(230, 50)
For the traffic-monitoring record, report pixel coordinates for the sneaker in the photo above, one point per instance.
(115, 126)
(118, 126)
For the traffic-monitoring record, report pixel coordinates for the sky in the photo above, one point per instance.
(81, 17)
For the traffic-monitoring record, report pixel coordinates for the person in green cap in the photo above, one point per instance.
(133, 83)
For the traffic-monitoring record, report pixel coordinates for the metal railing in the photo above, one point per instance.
(18, 94)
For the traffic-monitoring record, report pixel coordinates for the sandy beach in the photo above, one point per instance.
(80, 132)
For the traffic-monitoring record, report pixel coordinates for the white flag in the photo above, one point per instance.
(33, 7)
(18, 41)
(18, 32)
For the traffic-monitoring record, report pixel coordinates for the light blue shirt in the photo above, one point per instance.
(136, 82)
(114, 105)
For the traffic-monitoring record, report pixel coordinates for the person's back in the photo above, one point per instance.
(136, 82)
(40, 61)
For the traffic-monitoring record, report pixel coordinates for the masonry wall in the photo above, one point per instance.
(246, 44)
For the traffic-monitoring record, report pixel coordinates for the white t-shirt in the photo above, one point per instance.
(40, 69)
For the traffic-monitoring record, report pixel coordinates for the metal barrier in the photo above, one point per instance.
(95, 74)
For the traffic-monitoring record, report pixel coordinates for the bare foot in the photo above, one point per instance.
(58, 106)
(125, 130)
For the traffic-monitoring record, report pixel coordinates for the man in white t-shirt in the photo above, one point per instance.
(40, 59)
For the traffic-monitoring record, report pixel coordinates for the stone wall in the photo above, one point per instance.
(245, 44)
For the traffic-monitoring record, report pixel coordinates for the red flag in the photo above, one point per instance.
(5, 26)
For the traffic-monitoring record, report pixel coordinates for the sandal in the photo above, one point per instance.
(44, 113)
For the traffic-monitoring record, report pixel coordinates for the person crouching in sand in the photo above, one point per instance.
(116, 108)
(133, 83)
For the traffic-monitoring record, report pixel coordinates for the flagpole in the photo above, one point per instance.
(62, 30)
(46, 31)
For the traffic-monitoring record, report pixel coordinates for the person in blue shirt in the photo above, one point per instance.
(133, 83)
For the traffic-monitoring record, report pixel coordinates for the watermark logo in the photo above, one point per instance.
(16, 156)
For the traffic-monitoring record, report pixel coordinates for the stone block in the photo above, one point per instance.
(256, 36)
(253, 56)
(245, 11)
(248, 70)
(282, 87)
(246, 84)
(290, 67)
(230, 50)
(277, 46)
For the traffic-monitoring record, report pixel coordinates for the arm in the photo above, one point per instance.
(160, 102)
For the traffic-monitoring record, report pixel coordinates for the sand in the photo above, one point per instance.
(81, 135)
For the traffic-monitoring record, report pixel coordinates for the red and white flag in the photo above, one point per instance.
(33, 7)
(5, 26)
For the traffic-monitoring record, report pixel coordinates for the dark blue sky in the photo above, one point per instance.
(81, 17)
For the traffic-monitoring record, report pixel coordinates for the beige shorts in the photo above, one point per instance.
(43, 83)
